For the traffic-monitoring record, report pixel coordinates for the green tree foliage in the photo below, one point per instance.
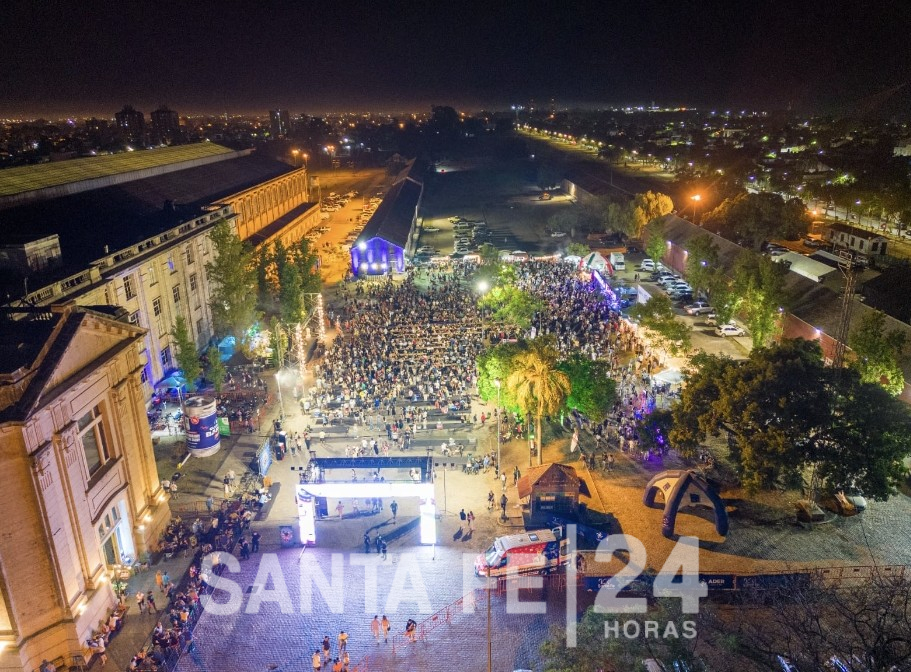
(185, 352)
(511, 306)
(578, 249)
(496, 363)
(701, 262)
(307, 261)
(592, 391)
(759, 294)
(537, 385)
(490, 255)
(657, 315)
(656, 242)
(216, 371)
(752, 219)
(786, 412)
(232, 276)
(618, 217)
(279, 342)
(878, 353)
(290, 294)
(648, 206)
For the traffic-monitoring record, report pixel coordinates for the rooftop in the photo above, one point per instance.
(15, 181)
(124, 214)
(394, 217)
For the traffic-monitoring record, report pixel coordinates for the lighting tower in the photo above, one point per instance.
(846, 266)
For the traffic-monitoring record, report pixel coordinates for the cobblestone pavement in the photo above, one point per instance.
(409, 586)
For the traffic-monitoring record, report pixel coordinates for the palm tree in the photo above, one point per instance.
(539, 388)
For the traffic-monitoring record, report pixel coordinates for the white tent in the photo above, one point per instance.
(805, 266)
(669, 376)
(572, 259)
(595, 262)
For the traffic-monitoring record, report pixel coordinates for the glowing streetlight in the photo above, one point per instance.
(695, 198)
(483, 286)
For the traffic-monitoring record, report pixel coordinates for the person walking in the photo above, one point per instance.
(379, 543)
(610, 462)
(515, 475)
(317, 661)
(383, 549)
(385, 625)
(367, 542)
(503, 480)
(503, 502)
(470, 520)
(158, 580)
(394, 507)
(254, 538)
(342, 642)
(140, 601)
(150, 600)
(165, 578)
(375, 628)
(210, 503)
(340, 509)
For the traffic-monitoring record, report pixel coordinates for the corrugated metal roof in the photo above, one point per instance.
(31, 178)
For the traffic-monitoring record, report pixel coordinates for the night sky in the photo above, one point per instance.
(90, 57)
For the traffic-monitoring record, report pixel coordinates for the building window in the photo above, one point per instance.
(153, 276)
(175, 291)
(193, 282)
(156, 306)
(166, 358)
(144, 375)
(128, 287)
(191, 256)
(93, 439)
(134, 318)
(861, 243)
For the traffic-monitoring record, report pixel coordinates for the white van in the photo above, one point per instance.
(617, 261)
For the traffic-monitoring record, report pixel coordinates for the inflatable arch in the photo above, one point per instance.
(684, 488)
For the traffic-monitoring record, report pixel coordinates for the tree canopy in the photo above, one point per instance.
(758, 292)
(656, 245)
(232, 275)
(511, 306)
(753, 218)
(185, 352)
(701, 262)
(657, 315)
(216, 371)
(878, 352)
(537, 385)
(592, 391)
(647, 207)
(785, 411)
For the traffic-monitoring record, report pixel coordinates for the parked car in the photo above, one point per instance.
(558, 234)
(711, 318)
(647, 265)
(427, 249)
(729, 329)
(430, 229)
(812, 242)
(698, 308)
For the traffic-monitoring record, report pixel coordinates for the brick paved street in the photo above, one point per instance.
(245, 642)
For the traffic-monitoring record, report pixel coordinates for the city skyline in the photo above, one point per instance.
(216, 59)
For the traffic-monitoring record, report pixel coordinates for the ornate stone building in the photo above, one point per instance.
(80, 487)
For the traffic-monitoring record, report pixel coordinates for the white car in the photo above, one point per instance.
(729, 329)
(430, 229)
(647, 265)
(558, 234)
(426, 249)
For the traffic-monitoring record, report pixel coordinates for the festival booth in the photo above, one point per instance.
(596, 262)
(552, 489)
(680, 489)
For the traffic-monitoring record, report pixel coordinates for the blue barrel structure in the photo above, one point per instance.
(203, 437)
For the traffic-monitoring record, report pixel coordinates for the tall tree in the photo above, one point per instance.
(619, 217)
(307, 261)
(490, 255)
(648, 206)
(232, 277)
(185, 352)
(592, 391)
(511, 306)
(786, 412)
(578, 249)
(759, 294)
(216, 371)
(878, 352)
(657, 315)
(496, 363)
(752, 219)
(538, 386)
(290, 294)
(701, 262)
(656, 244)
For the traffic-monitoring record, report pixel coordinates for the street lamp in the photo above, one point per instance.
(306, 156)
(294, 153)
(695, 198)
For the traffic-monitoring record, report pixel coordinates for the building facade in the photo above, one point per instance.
(165, 126)
(130, 124)
(81, 490)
